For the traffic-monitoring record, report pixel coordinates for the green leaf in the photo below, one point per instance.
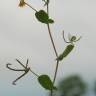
(67, 50)
(46, 82)
(51, 21)
(43, 17)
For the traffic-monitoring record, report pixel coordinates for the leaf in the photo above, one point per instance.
(51, 21)
(43, 17)
(66, 52)
(46, 82)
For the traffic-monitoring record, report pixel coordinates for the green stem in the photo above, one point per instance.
(52, 40)
(56, 69)
(49, 30)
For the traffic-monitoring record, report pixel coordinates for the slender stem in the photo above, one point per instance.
(48, 8)
(51, 34)
(55, 53)
(31, 7)
(56, 70)
(49, 30)
(52, 40)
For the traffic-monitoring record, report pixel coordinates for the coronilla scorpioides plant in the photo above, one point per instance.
(44, 80)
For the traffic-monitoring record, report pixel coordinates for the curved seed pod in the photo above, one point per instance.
(26, 71)
(67, 50)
